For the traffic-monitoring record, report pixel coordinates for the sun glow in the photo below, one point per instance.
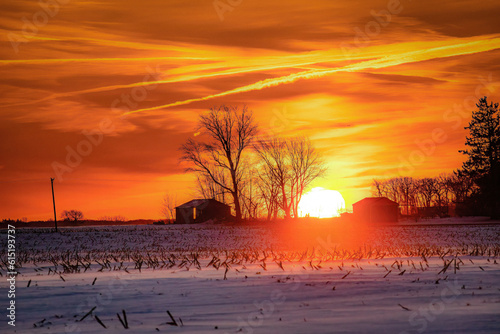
(321, 203)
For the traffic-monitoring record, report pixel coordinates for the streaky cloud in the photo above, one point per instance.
(456, 49)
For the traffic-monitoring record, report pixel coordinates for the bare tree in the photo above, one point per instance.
(398, 189)
(460, 187)
(442, 190)
(306, 166)
(290, 166)
(229, 132)
(389, 188)
(268, 192)
(168, 204)
(428, 190)
(419, 195)
(378, 188)
(113, 218)
(249, 193)
(73, 215)
(276, 167)
(407, 188)
(208, 189)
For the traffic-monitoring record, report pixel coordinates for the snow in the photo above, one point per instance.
(319, 293)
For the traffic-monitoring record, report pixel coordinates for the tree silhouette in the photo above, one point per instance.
(168, 204)
(290, 165)
(74, 215)
(229, 131)
(483, 155)
(268, 192)
(418, 195)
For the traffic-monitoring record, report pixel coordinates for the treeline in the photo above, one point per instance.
(474, 189)
(429, 196)
(259, 176)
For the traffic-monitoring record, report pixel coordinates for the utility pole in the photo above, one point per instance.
(53, 201)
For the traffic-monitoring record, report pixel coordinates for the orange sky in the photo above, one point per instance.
(369, 82)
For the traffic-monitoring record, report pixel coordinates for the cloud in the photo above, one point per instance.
(419, 55)
(364, 107)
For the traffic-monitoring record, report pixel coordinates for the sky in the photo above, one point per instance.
(100, 94)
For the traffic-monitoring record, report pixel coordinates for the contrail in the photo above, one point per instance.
(89, 60)
(382, 62)
(259, 64)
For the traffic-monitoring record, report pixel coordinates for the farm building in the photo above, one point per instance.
(376, 210)
(201, 210)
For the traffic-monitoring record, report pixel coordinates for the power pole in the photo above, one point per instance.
(53, 201)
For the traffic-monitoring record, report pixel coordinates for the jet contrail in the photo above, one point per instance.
(186, 73)
(382, 62)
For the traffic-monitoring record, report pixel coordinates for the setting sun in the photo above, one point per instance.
(250, 166)
(321, 203)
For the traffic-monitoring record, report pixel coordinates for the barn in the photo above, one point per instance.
(376, 210)
(201, 210)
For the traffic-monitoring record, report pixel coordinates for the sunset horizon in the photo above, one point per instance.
(250, 166)
(101, 96)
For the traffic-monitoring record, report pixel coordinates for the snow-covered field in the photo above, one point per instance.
(296, 278)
